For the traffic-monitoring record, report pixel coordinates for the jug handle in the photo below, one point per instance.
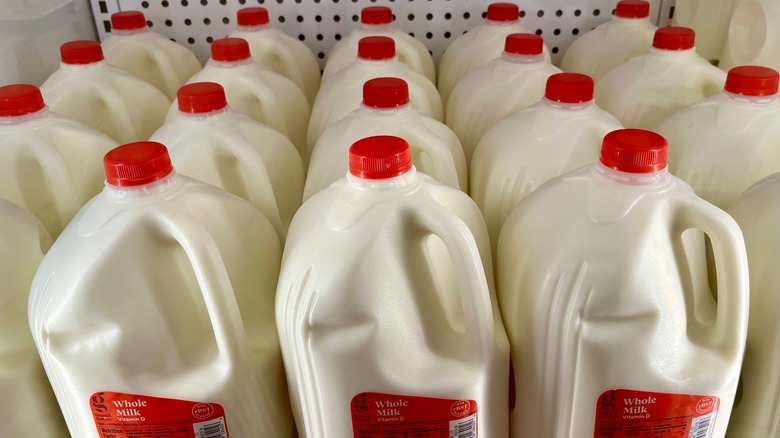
(54, 166)
(116, 104)
(288, 59)
(444, 166)
(269, 105)
(166, 69)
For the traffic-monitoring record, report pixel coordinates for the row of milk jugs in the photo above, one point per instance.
(208, 100)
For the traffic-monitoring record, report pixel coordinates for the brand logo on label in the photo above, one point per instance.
(360, 404)
(202, 411)
(98, 403)
(607, 403)
(705, 405)
(460, 408)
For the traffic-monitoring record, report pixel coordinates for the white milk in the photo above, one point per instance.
(559, 134)
(278, 51)
(726, 143)
(156, 306)
(606, 303)
(386, 110)
(646, 89)
(256, 91)
(756, 412)
(510, 83)
(27, 404)
(342, 93)
(627, 34)
(385, 306)
(134, 48)
(378, 21)
(753, 35)
(49, 165)
(85, 88)
(710, 20)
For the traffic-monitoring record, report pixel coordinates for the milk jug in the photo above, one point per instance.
(49, 165)
(757, 212)
(134, 48)
(514, 81)
(386, 110)
(646, 89)
(256, 91)
(342, 93)
(378, 21)
(385, 309)
(27, 404)
(278, 51)
(208, 141)
(478, 46)
(559, 134)
(153, 311)
(710, 20)
(627, 34)
(726, 143)
(753, 35)
(602, 283)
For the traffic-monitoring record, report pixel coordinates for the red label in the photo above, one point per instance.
(138, 416)
(381, 415)
(634, 414)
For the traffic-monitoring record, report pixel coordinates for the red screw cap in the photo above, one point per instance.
(136, 164)
(752, 80)
(128, 20)
(524, 44)
(20, 99)
(376, 47)
(376, 15)
(503, 12)
(379, 157)
(81, 52)
(230, 50)
(201, 97)
(252, 16)
(569, 88)
(674, 38)
(634, 151)
(632, 9)
(385, 93)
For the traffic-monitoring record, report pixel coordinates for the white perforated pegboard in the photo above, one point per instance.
(321, 23)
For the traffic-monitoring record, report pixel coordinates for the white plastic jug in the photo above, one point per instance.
(561, 133)
(378, 21)
(605, 299)
(386, 110)
(514, 81)
(478, 46)
(753, 35)
(385, 307)
(726, 143)
(278, 51)
(646, 89)
(49, 165)
(27, 404)
(256, 91)
(627, 34)
(342, 93)
(208, 141)
(710, 20)
(153, 311)
(85, 88)
(136, 49)
(757, 212)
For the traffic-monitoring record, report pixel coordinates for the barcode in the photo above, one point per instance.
(465, 428)
(211, 429)
(701, 427)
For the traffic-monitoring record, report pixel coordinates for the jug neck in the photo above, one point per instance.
(651, 179)
(401, 110)
(232, 64)
(126, 32)
(377, 28)
(673, 54)
(161, 187)
(258, 28)
(630, 21)
(405, 180)
(562, 106)
(25, 119)
(218, 116)
(741, 99)
(522, 59)
(84, 68)
(497, 23)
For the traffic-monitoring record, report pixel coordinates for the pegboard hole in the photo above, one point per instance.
(207, 21)
(164, 3)
(554, 50)
(225, 20)
(522, 14)
(145, 5)
(540, 13)
(577, 12)
(558, 13)
(187, 22)
(596, 12)
(191, 40)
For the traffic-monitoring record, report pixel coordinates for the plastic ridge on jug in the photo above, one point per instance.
(753, 35)
(710, 20)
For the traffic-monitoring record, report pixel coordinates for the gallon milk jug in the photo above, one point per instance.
(208, 141)
(507, 84)
(726, 143)
(342, 93)
(134, 48)
(710, 20)
(49, 165)
(256, 91)
(530, 147)
(627, 34)
(153, 311)
(386, 110)
(378, 21)
(756, 412)
(27, 404)
(278, 51)
(478, 46)
(646, 89)
(85, 88)
(606, 303)
(385, 309)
